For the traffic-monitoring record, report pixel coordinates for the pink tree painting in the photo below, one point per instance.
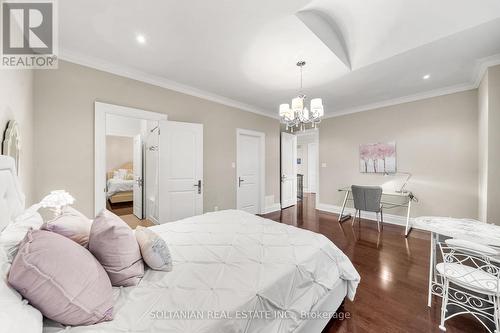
(377, 158)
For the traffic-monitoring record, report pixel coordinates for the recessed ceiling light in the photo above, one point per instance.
(141, 39)
(426, 77)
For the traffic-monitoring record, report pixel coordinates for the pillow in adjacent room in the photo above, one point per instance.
(71, 224)
(61, 279)
(16, 315)
(15, 231)
(154, 250)
(113, 243)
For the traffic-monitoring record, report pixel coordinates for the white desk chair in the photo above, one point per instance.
(471, 282)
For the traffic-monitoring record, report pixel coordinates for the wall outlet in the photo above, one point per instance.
(233, 165)
(323, 165)
(216, 208)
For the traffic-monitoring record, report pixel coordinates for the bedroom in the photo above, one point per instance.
(402, 97)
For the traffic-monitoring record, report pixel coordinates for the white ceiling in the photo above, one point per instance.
(243, 53)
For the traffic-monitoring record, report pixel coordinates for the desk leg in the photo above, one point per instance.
(432, 263)
(408, 227)
(341, 216)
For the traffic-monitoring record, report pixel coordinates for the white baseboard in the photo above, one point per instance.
(388, 218)
(272, 208)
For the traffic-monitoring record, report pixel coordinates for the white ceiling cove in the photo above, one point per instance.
(360, 54)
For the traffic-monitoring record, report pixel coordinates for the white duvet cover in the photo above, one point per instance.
(119, 185)
(232, 272)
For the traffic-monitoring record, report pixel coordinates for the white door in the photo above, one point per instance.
(248, 174)
(312, 167)
(288, 170)
(138, 177)
(180, 170)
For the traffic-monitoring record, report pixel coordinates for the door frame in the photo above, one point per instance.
(262, 166)
(309, 159)
(100, 111)
(315, 132)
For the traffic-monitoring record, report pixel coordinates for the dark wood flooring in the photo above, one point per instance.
(392, 295)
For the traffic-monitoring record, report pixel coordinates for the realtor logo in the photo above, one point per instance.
(29, 34)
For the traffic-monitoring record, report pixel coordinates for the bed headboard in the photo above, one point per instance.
(128, 166)
(11, 196)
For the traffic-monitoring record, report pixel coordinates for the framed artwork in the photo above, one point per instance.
(377, 158)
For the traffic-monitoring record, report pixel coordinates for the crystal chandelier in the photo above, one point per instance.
(298, 116)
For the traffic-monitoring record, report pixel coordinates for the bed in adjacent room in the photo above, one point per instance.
(232, 272)
(120, 184)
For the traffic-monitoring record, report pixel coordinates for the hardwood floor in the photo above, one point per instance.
(392, 295)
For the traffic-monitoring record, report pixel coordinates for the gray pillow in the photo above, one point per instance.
(154, 250)
(113, 243)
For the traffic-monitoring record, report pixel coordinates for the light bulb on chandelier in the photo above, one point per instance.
(299, 116)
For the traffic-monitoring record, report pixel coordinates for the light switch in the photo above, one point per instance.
(323, 165)
(233, 165)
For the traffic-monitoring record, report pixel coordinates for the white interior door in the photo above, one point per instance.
(312, 167)
(138, 177)
(180, 170)
(249, 174)
(288, 170)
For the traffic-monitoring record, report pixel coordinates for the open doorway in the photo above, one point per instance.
(307, 162)
(299, 166)
(127, 162)
(132, 168)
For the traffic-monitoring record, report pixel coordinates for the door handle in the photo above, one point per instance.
(240, 181)
(198, 185)
(139, 181)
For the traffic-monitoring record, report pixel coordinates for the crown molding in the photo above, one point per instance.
(128, 72)
(155, 80)
(404, 99)
(478, 73)
(482, 66)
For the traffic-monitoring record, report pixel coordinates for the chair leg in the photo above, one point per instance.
(359, 217)
(354, 217)
(381, 219)
(378, 223)
(444, 305)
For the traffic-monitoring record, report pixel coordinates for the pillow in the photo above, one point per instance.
(120, 174)
(71, 224)
(154, 250)
(16, 230)
(16, 315)
(61, 279)
(113, 243)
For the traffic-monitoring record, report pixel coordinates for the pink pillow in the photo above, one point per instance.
(113, 243)
(61, 279)
(71, 224)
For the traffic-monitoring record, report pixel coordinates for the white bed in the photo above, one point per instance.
(232, 261)
(228, 264)
(119, 185)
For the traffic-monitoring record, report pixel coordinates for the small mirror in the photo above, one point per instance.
(12, 142)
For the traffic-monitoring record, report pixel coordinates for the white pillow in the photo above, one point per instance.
(120, 174)
(154, 250)
(16, 315)
(16, 230)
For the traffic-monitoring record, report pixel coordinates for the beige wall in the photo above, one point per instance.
(436, 139)
(119, 150)
(16, 103)
(65, 132)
